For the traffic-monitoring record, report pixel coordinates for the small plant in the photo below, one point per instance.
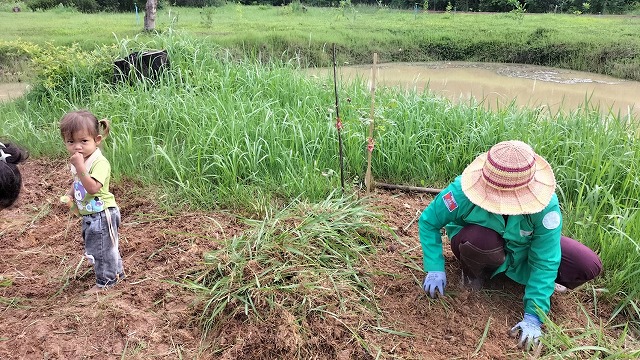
(448, 9)
(8, 302)
(5, 281)
(206, 17)
(518, 9)
(346, 8)
(297, 7)
(173, 18)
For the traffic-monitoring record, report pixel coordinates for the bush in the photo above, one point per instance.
(36, 5)
(107, 5)
(8, 6)
(15, 60)
(10, 50)
(200, 3)
(91, 6)
(69, 73)
(86, 6)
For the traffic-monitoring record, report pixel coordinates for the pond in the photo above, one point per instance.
(497, 85)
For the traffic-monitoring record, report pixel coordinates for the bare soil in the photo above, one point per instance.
(12, 91)
(47, 315)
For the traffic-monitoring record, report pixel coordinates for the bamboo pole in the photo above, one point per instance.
(408, 188)
(368, 177)
(338, 120)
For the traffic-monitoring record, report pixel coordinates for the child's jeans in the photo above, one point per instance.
(101, 245)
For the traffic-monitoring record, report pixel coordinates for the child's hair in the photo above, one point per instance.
(10, 177)
(78, 120)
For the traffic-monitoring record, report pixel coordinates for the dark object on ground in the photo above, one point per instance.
(141, 65)
(16, 9)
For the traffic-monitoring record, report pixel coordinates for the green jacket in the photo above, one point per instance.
(531, 242)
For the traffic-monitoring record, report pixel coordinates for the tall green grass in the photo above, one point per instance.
(220, 130)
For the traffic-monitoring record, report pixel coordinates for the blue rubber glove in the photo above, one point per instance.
(434, 280)
(529, 329)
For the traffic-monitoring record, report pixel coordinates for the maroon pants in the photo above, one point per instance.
(578, 264)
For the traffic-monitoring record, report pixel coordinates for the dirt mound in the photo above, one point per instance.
(46, 314)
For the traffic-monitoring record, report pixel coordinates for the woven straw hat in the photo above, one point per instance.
(509, 179)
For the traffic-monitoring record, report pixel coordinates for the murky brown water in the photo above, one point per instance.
(500, 84)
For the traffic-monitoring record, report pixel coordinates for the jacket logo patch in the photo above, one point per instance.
(551, 220)
(524, 233)
(450, 201)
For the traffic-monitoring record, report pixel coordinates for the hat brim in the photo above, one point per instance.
(530, 199)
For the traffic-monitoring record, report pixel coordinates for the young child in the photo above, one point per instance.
(10, 177)
(90, 193)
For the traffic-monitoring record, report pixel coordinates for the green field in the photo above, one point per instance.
(236, 125)
(602, 44)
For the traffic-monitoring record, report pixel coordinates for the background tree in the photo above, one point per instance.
(150, 15)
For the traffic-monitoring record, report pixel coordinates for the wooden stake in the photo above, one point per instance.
(368, 177)
(338, 120)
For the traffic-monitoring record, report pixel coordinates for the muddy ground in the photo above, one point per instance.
(45, 313)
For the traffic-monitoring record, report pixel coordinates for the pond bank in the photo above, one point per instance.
(12, 91)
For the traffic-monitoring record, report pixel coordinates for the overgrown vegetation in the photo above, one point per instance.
(248, 132)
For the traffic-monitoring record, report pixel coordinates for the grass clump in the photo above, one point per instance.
(589, 341)
(9, 302)
(303, 258)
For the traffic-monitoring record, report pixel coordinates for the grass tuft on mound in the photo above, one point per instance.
(303, 258)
